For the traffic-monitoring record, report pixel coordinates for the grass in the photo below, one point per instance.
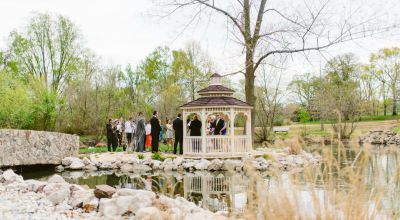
(396, 130)
(163, 148)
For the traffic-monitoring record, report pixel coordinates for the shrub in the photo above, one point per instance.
(157, 156)
(267, 156)
(141, 156)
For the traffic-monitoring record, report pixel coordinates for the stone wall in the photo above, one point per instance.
(26, 147)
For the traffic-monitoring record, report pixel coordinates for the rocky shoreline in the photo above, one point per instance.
(271, 160)
(380, 137)
(56, 199)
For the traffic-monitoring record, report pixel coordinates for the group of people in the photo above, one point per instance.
(140, 134)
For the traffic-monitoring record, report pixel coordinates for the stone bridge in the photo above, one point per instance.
(26, 147)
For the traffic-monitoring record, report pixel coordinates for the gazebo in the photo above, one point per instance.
(217, 99)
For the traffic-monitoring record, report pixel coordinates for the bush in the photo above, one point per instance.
(141, 156)
(157, 156)
(267, 157)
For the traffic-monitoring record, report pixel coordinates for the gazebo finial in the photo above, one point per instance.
(215, 79)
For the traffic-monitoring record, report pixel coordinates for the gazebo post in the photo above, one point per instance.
(232, 133)
(249, 141)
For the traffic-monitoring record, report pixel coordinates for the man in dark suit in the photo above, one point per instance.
(220, 126)
(195, 127)
(195, 130)
(177, 125)
(155, 132)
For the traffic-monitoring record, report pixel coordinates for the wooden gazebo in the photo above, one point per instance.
(217, 98)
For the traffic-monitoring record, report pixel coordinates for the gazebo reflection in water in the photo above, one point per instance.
(217, 192)
(214, 191)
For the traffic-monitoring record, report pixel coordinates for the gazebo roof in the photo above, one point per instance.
(216, 101)
(216, 95)
(216, 88)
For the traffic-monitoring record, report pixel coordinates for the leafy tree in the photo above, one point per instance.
(340, 94)
(387, 65)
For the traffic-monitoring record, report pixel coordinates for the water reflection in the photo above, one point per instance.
(236, 192)
(215, 191)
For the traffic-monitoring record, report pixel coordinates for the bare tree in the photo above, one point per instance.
(268, 102)
(276, 28)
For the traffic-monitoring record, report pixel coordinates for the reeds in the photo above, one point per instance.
(359, 183)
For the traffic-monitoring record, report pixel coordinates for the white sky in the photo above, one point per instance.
(122, 32)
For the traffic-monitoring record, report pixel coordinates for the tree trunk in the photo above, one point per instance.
(394, 109)
(249, 90)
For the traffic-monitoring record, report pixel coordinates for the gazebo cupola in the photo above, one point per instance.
(217, 99)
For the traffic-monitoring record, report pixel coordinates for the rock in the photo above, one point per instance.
(178, 161)
(9, 176)
(231, 165)
(76, 165)
(202, 165)
(188, 165)
(90, 167)
(80, 196)
(215, 165)
(56, 179)
(68, 161)
(149, 213)
(57, 192)
(157, 165)
(35, 185)
(59, 168)
(86, 161)
(126, 168)
(104, 191)
(90, 204)
(134, 192)
(104, 165)
(141, 167)
(115, 207)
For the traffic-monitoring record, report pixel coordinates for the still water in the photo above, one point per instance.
(236, 192)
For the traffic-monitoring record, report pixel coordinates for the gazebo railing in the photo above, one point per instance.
(217, 145)
(192, 145)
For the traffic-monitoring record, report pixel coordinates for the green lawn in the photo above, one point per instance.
(163, 148)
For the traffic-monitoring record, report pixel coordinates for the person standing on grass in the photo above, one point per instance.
(168, 133)
(178, 128)
(155, 132)
(110, 134)
(115, 136)
(128, 131)
(140, 132)
(148, 135)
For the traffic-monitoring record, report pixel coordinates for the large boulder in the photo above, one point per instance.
(104, 191)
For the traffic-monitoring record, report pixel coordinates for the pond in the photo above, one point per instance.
(377, 170)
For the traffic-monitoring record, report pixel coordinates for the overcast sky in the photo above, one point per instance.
(123, 31)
